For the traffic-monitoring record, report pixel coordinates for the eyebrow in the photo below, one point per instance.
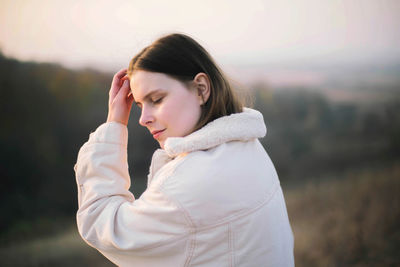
(148, 95)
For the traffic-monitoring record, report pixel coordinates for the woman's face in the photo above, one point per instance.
(169, 108)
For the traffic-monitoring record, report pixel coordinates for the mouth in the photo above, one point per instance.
(157, 133)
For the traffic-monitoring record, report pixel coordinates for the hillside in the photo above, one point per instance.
(315, 141)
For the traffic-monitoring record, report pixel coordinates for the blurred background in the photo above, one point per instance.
(325, 75)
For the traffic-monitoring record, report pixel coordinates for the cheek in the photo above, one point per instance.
(190, 115)
(183, 116)
(190, 118)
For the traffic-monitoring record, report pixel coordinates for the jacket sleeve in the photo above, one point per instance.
(109, 218)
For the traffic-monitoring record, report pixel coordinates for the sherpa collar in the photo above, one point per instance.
(243, 126)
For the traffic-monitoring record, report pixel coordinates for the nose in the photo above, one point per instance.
(146, 117)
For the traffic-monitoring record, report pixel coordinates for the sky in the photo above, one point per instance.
(106, 34)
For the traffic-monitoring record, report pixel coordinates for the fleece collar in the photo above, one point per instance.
(243, 126)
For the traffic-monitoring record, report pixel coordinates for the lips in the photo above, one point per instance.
(157, 133)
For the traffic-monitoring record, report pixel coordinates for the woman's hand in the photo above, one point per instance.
(120, 99)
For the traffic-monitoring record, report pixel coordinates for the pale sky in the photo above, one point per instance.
(106, 34)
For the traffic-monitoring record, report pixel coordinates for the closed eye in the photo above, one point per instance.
(158, 100)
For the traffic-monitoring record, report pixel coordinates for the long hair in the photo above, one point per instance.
(182, 58)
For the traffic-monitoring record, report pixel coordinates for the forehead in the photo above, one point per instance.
(145, 82)
(142, 78)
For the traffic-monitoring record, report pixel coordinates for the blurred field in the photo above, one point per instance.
(336, 148)
(64, 249)
(350, 220)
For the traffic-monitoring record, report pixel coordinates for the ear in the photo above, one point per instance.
(202, 85)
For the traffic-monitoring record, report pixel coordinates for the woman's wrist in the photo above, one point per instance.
(117, 120)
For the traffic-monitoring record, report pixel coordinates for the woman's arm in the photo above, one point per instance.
(109, 218)
(113, 135)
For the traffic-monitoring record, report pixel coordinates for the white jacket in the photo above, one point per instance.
(213, 199)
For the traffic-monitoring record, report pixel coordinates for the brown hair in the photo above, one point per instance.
(182, 58)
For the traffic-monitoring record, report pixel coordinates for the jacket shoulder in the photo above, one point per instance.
(222, 182)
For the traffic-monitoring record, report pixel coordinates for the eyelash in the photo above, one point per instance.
(158, 101)
(154, 102)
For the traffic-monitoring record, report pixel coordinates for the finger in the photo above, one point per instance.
(121, 81)
(115, 82)
(121, 73)
(123, 92)
(126, 77)
(125, 89)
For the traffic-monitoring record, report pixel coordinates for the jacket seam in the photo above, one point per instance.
(192, 246)
(231, 246)
(232, 218)
(196, 230)
(178, 204)
(180, 207)
(242, 214)
(192, 240)
(188, 221)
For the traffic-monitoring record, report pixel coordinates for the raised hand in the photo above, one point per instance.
(120, 98)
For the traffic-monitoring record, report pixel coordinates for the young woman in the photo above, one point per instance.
(213, 197)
